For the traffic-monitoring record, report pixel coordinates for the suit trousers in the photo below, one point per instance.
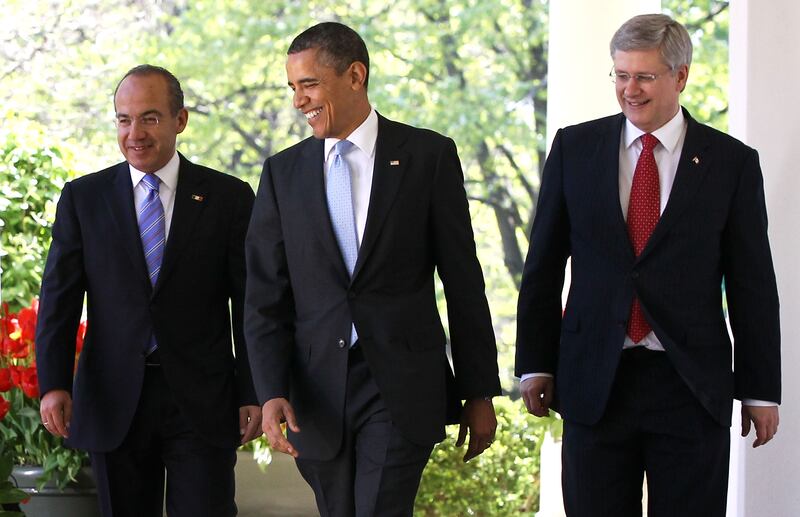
(130, 478)
(377, 471)
(654, 426)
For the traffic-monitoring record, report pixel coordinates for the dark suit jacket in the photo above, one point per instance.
(97, 250)
(713, 228)
(300, 300)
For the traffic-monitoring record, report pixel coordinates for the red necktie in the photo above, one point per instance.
(643, 214)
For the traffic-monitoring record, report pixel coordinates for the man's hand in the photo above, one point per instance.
(55, 409)
(478, 417)
(764, 418)
(249, 423)
(537, 392)
(274, 412)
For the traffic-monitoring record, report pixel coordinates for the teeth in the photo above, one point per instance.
(312, 114)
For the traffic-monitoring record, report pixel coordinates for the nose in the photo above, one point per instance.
(299, 98)
(136, 129)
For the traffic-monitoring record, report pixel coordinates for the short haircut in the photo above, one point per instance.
(339, 46)
(173, 85)
(655, 31)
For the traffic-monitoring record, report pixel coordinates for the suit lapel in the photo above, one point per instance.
(120, 204)
(608, 156)
(312, 183)
(692, 168)
(191, 197)
(391, 162)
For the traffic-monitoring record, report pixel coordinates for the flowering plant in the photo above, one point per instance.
(25, 440)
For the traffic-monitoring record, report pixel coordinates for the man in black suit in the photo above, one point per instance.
(156, 244)
(343, 331)
(657, 212)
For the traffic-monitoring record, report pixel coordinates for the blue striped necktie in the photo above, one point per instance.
(340, 207)
(151, 227)
(152, 232)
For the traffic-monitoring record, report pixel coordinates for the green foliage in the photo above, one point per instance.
(504, 480)
(30, 182)
(27, 442)
(9, 493)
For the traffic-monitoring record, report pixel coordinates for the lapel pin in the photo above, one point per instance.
(394, 162)
(696, 160)
(197, 197)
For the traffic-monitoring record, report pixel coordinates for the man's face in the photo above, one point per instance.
(139, 100)
(330, 102)
(648, 105)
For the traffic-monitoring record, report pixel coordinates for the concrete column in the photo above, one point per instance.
(764, 113)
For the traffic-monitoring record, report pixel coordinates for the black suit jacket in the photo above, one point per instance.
(97, 251)
(713, 229)
(300, 300)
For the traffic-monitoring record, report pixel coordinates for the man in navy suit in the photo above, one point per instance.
(345, 339)
(156, 245)
(660, 215)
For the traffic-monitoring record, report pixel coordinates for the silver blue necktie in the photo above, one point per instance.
(152, 231)
(340, 207)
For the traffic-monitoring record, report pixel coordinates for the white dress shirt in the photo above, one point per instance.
(361, 160)
(168, 175)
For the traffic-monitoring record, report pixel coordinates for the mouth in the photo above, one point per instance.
(636, 104)
(311, 115)
(138, 148)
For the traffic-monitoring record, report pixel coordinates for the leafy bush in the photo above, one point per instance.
(30, 183)
(504, 480)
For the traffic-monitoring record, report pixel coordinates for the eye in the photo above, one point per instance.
(149, 120)
(123, 121)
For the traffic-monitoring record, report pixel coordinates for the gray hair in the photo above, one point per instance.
(659, 31)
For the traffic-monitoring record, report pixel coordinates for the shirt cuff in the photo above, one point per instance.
(758, 403)
(526, 376)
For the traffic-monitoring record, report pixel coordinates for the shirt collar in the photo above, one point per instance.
(168, 174)
(668, 135)
(363, 137)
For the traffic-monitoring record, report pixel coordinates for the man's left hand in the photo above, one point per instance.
(764, 418)
(478, 417)
(249, 423)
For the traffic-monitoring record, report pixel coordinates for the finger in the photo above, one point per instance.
(462, 434)
(291, 420)
(745, 424)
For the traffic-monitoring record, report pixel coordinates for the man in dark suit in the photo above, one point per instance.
(656, 212)
(156, 244)
(341, 320)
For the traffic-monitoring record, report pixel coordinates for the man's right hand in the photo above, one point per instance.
(537, 392)
(273, 413)
(55, 409)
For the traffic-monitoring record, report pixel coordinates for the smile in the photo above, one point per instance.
(313, 113)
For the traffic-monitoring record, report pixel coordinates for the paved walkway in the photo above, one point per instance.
(277, 492)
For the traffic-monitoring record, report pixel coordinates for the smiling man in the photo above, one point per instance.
(657, 212)
(345, 340)
(156, 245)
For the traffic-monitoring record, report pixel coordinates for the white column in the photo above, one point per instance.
(579, 89)
(764, 113)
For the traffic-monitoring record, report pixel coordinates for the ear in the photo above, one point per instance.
(682, 75)
(183, 119)
(357, 74)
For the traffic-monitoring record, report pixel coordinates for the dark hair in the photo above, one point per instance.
(339, 46)
(173, 85)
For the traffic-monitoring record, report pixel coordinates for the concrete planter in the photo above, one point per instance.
(78, 499)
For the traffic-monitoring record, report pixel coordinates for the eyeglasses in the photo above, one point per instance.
(624, 77)
(126, 121)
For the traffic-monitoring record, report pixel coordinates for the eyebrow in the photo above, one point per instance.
(148, 112)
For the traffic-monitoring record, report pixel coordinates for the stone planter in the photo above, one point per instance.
(78, 499)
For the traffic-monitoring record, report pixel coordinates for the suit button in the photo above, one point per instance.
(351, 295)
(342, 343)
(635, 275)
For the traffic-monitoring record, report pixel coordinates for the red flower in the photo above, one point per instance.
(26, 319)
(4, 407)
(5, 379)
(79, 339)
(30, 382)
(16, 374)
